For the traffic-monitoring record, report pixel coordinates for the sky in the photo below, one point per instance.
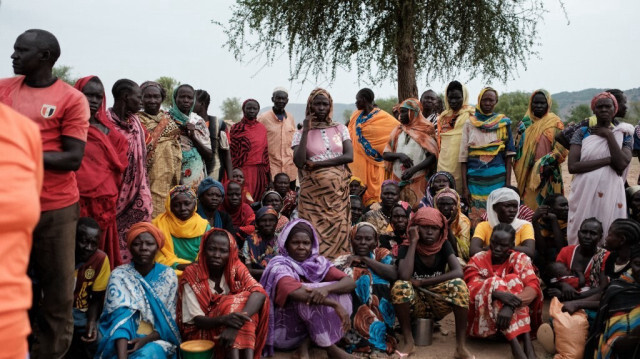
(594, 45)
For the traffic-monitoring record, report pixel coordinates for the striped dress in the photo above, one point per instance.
(485, 151)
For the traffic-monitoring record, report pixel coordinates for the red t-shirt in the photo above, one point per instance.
(21, 168)
(58, 110)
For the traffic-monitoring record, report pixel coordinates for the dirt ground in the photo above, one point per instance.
(443, 346)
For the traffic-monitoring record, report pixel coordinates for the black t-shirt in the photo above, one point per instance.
(420, 270)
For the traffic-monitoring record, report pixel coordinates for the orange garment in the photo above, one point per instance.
(374, 135)
(279, 136)
(22, 171)
(58, 110)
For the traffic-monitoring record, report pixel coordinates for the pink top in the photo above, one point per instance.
(323, 143)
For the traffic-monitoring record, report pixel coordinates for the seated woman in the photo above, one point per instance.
(273, 199)
(241, 213)
(617, 328)
(437, 182)
(623, 234)
(210, 197)
(182, 228)
(220, 301)
(380, 213)
(281, 184)
(310, 297)
(357, 187)
(400, 214)
(138, 319)
(505, 293)
(585, 257)
(502, 207)
(424, 288)
(372, 269)
(447, 201)
(262, 245)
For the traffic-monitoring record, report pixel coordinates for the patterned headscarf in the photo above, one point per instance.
(147, 84)
(181, 189)
(175, 112)
(171, 225)
(264, 196)
(265, 211)
(427, 216)
(427, 200)
(604, 95)
(329, 120)
(355, 228)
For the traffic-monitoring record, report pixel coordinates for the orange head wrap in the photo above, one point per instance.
(145, 227)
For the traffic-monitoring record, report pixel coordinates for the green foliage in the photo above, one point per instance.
(346, 115)
(231, 109)
(63, 72)
(438, 38)
(579, 113)
(633, 113)
(169, 84)
(513, 105)
(387, 103)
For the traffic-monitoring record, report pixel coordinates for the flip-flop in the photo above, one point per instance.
(401, 354)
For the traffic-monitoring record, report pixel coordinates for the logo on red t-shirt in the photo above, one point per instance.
(47, 110)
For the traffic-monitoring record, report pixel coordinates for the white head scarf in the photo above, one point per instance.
(280, 89)
(503, 195)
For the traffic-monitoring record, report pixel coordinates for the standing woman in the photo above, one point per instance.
(134, 199)
(599, 158)
(249, 150)
(412, 152)
(450, 123)
(370, 128)
(537, 163)
(164, 155)
(486, 150)
(194, 136)
(322, 150)
(100, 174)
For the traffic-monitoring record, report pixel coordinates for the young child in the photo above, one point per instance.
(91, 277)
(559, 273)
(238, 175)
(281, 184)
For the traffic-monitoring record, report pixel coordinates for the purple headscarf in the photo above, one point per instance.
(313, 269)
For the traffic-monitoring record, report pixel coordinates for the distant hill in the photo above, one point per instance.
(565, 100)
(568, 100)
(298, 110)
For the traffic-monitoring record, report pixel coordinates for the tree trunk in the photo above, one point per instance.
(405, 52)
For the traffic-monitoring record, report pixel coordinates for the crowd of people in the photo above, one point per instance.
(138, 228)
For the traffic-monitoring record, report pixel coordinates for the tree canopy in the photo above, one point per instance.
(231, 109)
(63, 72)
(169, 84)
(579, 113)
(384, 40)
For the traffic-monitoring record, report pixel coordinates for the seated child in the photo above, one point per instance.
(91, 276)
(559, 273)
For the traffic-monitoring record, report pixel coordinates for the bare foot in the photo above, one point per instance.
(462, 353)
(303, 351)
(408, 348)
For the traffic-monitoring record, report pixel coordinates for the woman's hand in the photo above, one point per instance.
(344, 317)
(306, 124)
(309, 165)
(316, 295)
(568, 292)
(604, 132)
(92, 332)
(507, 298)
(465, 195)
(354, 260)
(191, 128)
(136, 344)
(408, 174)
(504, 317)
(414, 236)
(416, 282)
(405, 160)
(235, 320)
(181, 266)
(227, 337)
(570, 307)
(554, 292)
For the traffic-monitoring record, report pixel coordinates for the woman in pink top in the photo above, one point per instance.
(322, 150)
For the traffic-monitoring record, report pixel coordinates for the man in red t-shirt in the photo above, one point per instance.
(62, 114)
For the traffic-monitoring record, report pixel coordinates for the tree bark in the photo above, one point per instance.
(405, 52)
